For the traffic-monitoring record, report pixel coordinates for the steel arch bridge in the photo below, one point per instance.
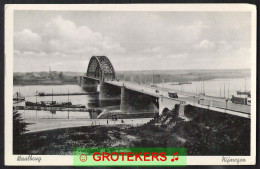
(100, 67)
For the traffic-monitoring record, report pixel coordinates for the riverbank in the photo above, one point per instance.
(33, 82)
(37, 125)
(205, 133)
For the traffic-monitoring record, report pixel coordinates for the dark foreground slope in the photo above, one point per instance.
(205, 133)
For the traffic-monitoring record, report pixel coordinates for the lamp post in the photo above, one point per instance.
(226, 105)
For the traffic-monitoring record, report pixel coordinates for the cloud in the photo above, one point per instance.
(204, 44)
(179, 56)
(27, 40)
(189, 33)
(60, 40)
(155, 51)
(64, 37)
(160, 52)
(131, 40)
(242, 57)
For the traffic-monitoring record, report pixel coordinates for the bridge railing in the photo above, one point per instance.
(232, 106)
(204, 102)
(226, 105)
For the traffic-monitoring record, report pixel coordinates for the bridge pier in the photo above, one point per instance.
(103, 94)
(108, 95)
(123, 103)
(83, 81)
(103, 91)
(135, 102)
(79, 78)
(165, 103)
(88, 84)
(181, 110)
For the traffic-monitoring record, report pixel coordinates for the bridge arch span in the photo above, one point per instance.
(100, 67)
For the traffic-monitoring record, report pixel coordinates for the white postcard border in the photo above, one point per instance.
(57, 160)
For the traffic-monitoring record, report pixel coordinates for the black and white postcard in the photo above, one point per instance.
(136, 76)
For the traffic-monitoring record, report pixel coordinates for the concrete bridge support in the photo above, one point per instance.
(103, 94)
(90, 85)
(181, 110)
(123, 103)
(136, 102)
(108, 94)
(83, 81)
(79, 78)
(103, 91)
(166, 103)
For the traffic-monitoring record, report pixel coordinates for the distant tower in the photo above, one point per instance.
(50, 73)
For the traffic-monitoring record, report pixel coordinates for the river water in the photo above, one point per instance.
(29, 93)
(213, 87)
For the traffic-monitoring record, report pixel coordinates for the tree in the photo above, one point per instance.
(19, 125)
(19, 128)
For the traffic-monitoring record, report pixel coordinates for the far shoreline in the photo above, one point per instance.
(76, 83)
(44, 84)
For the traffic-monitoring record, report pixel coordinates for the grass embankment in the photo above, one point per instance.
(63, 141)
(207, 133)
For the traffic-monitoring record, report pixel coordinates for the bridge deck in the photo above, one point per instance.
(208, 102)
(201, 101)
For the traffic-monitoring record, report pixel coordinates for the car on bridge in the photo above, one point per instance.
(153, 85)
(173, 94)
(249, 101)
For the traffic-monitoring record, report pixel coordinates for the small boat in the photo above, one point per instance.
(27, 103)
(18, 97)
(66, 104)
(180, 83)
(53, 104)
(65, 94)
(41, 94)
(78, 106)
(240, 100)
(248, 93)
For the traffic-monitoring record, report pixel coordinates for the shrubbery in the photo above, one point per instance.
(19, 128)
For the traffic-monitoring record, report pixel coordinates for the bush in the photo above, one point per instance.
(19, 128)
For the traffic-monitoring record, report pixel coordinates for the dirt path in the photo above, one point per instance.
(50, 124)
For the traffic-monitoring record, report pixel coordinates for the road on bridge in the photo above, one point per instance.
(207, 102)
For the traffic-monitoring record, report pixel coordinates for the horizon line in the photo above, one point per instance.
(138, 70)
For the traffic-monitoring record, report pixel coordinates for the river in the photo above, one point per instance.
(213, 87)
(29, 93)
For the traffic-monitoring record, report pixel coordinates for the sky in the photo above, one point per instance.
(66, 40)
